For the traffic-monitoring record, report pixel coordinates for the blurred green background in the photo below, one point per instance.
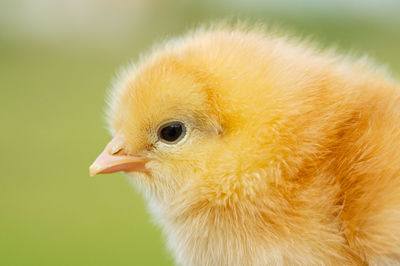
(56, 62)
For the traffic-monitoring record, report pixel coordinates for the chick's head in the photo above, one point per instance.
(198, 116)
(163, 116)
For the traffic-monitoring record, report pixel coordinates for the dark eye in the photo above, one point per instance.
(172, 132)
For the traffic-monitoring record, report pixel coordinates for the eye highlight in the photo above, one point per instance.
(172, 132)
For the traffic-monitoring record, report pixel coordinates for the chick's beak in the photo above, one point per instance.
(113, 159)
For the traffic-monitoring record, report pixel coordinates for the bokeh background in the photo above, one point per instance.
(56, 62)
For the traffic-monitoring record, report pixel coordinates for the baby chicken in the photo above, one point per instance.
(253, 148)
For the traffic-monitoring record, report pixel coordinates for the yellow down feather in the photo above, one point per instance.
(291, 155)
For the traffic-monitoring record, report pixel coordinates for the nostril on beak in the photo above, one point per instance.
(116, 145)
(115, 149)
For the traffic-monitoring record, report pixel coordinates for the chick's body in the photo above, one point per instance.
(291, 156)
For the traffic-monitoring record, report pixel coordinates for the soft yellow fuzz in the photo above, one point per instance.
(291, 157)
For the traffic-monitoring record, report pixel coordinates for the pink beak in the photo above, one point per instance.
(112, 159)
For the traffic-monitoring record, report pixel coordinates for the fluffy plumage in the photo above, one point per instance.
(291, 155)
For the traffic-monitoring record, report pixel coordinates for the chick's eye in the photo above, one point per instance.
(172, 132)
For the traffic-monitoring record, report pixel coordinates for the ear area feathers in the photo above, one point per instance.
(210, 84)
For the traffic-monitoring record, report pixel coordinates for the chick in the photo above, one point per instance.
(254, 148)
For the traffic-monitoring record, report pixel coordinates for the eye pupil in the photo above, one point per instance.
(172, 131)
